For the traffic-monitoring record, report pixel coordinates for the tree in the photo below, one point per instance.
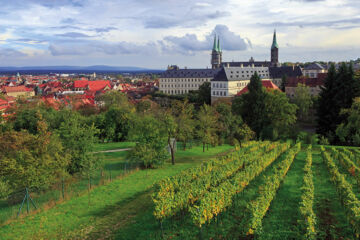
(184, 113)
(207, 125)
(280, 115)
(205, 93)
(283, 82)
(171, 128)
(349, 131)
(151, 141)
(117, 123)
(303, 101)
(114, 98)
(327, 111)
(244, 133)
(29, 160)
(339, 90)
(252, 107)
(225, 121)
(78, 140)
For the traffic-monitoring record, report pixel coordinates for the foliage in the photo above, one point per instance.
(207, 125)
(267, 192)
(204, 94)
(303, 100)
(117, 123)
(184, 116)
(308, 218)
(78, 140)
(280, 115)
(29, 160)
(252, 108)
(151, 141)
(349, 131)
(283, 82)
(340, 89)
(348, 199)
(113, 98)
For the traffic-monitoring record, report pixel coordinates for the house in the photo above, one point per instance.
(314, 84)
(312, 70)
(268, 84)
(17, 91)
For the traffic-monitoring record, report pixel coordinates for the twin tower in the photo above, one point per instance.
(216, 54)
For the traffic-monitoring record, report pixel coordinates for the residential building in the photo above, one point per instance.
(313, 70)
(18, 91)
(314, 84)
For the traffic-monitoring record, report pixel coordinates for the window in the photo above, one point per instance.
(220, 93)
(225, 94)
(213, 92)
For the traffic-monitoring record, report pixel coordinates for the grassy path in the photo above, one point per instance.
(332, 222)
(109, 206)
(281, 220)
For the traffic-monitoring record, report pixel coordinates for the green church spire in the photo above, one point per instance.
(274, 44)
(214, 46)
(218, 44)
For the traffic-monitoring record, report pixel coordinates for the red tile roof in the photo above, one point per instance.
(310, 82)
(266, 83)
(21, 88)
(98, 85)
(81, 83)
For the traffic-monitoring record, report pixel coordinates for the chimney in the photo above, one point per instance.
(242, 65)
(227, 65)
(293, 67)
(252, 65)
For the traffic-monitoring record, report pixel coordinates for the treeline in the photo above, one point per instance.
(338, 110)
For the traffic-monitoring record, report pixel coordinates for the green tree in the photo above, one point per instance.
(252, 107)
(78, 140)
(204, 93)
(29, 160)
(303, 100)
(207, 125)
(244, 133)
(283, 82)
(280, 115)
(117, 123)
(349, 131)
(114, 98)
(151, 141)
(171, 128)
(327, 111)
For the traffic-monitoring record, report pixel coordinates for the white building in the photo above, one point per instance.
(180, 81)
(231, 80)
(313, 70)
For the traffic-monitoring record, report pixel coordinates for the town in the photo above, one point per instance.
(180, 120)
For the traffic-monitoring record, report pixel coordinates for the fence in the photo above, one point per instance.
(62, 190)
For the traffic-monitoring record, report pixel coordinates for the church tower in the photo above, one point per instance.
(216, 54)
(274, 52)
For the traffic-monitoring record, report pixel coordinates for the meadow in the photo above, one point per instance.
(264, 190)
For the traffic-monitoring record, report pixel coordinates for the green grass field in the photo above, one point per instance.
(112, 145)
(108, 207)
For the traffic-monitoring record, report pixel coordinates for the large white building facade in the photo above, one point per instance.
(227, 78)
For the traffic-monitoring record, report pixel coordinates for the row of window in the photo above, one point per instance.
(241, 84)
(175, 91)
(178, 85)
(219, 93)
(171, 80)
(248, 76)
(219, 85)
(262, 71)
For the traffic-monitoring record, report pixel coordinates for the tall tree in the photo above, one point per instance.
(205, 93)
(184, 116)
(283, 82)
(327, 111)
(253, 106)
(280, 115)
(303, 100)
(151, 141)
(207, 125)
(171, 127)
(349, 131)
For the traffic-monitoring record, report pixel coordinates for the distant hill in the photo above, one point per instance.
(95, 68)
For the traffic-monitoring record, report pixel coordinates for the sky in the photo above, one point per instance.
(157, 33)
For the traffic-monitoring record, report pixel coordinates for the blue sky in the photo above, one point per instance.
(156, 33)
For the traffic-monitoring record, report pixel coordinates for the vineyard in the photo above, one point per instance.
(238, 196)
(261, 190)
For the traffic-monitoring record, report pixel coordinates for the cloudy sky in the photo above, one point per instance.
(155, 33)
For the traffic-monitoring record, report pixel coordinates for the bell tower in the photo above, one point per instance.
(274, 52)
(216, 54)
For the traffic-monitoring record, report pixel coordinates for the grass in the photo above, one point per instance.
(112, 145)
(332, 222)
(107, 207)
(281, 219)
